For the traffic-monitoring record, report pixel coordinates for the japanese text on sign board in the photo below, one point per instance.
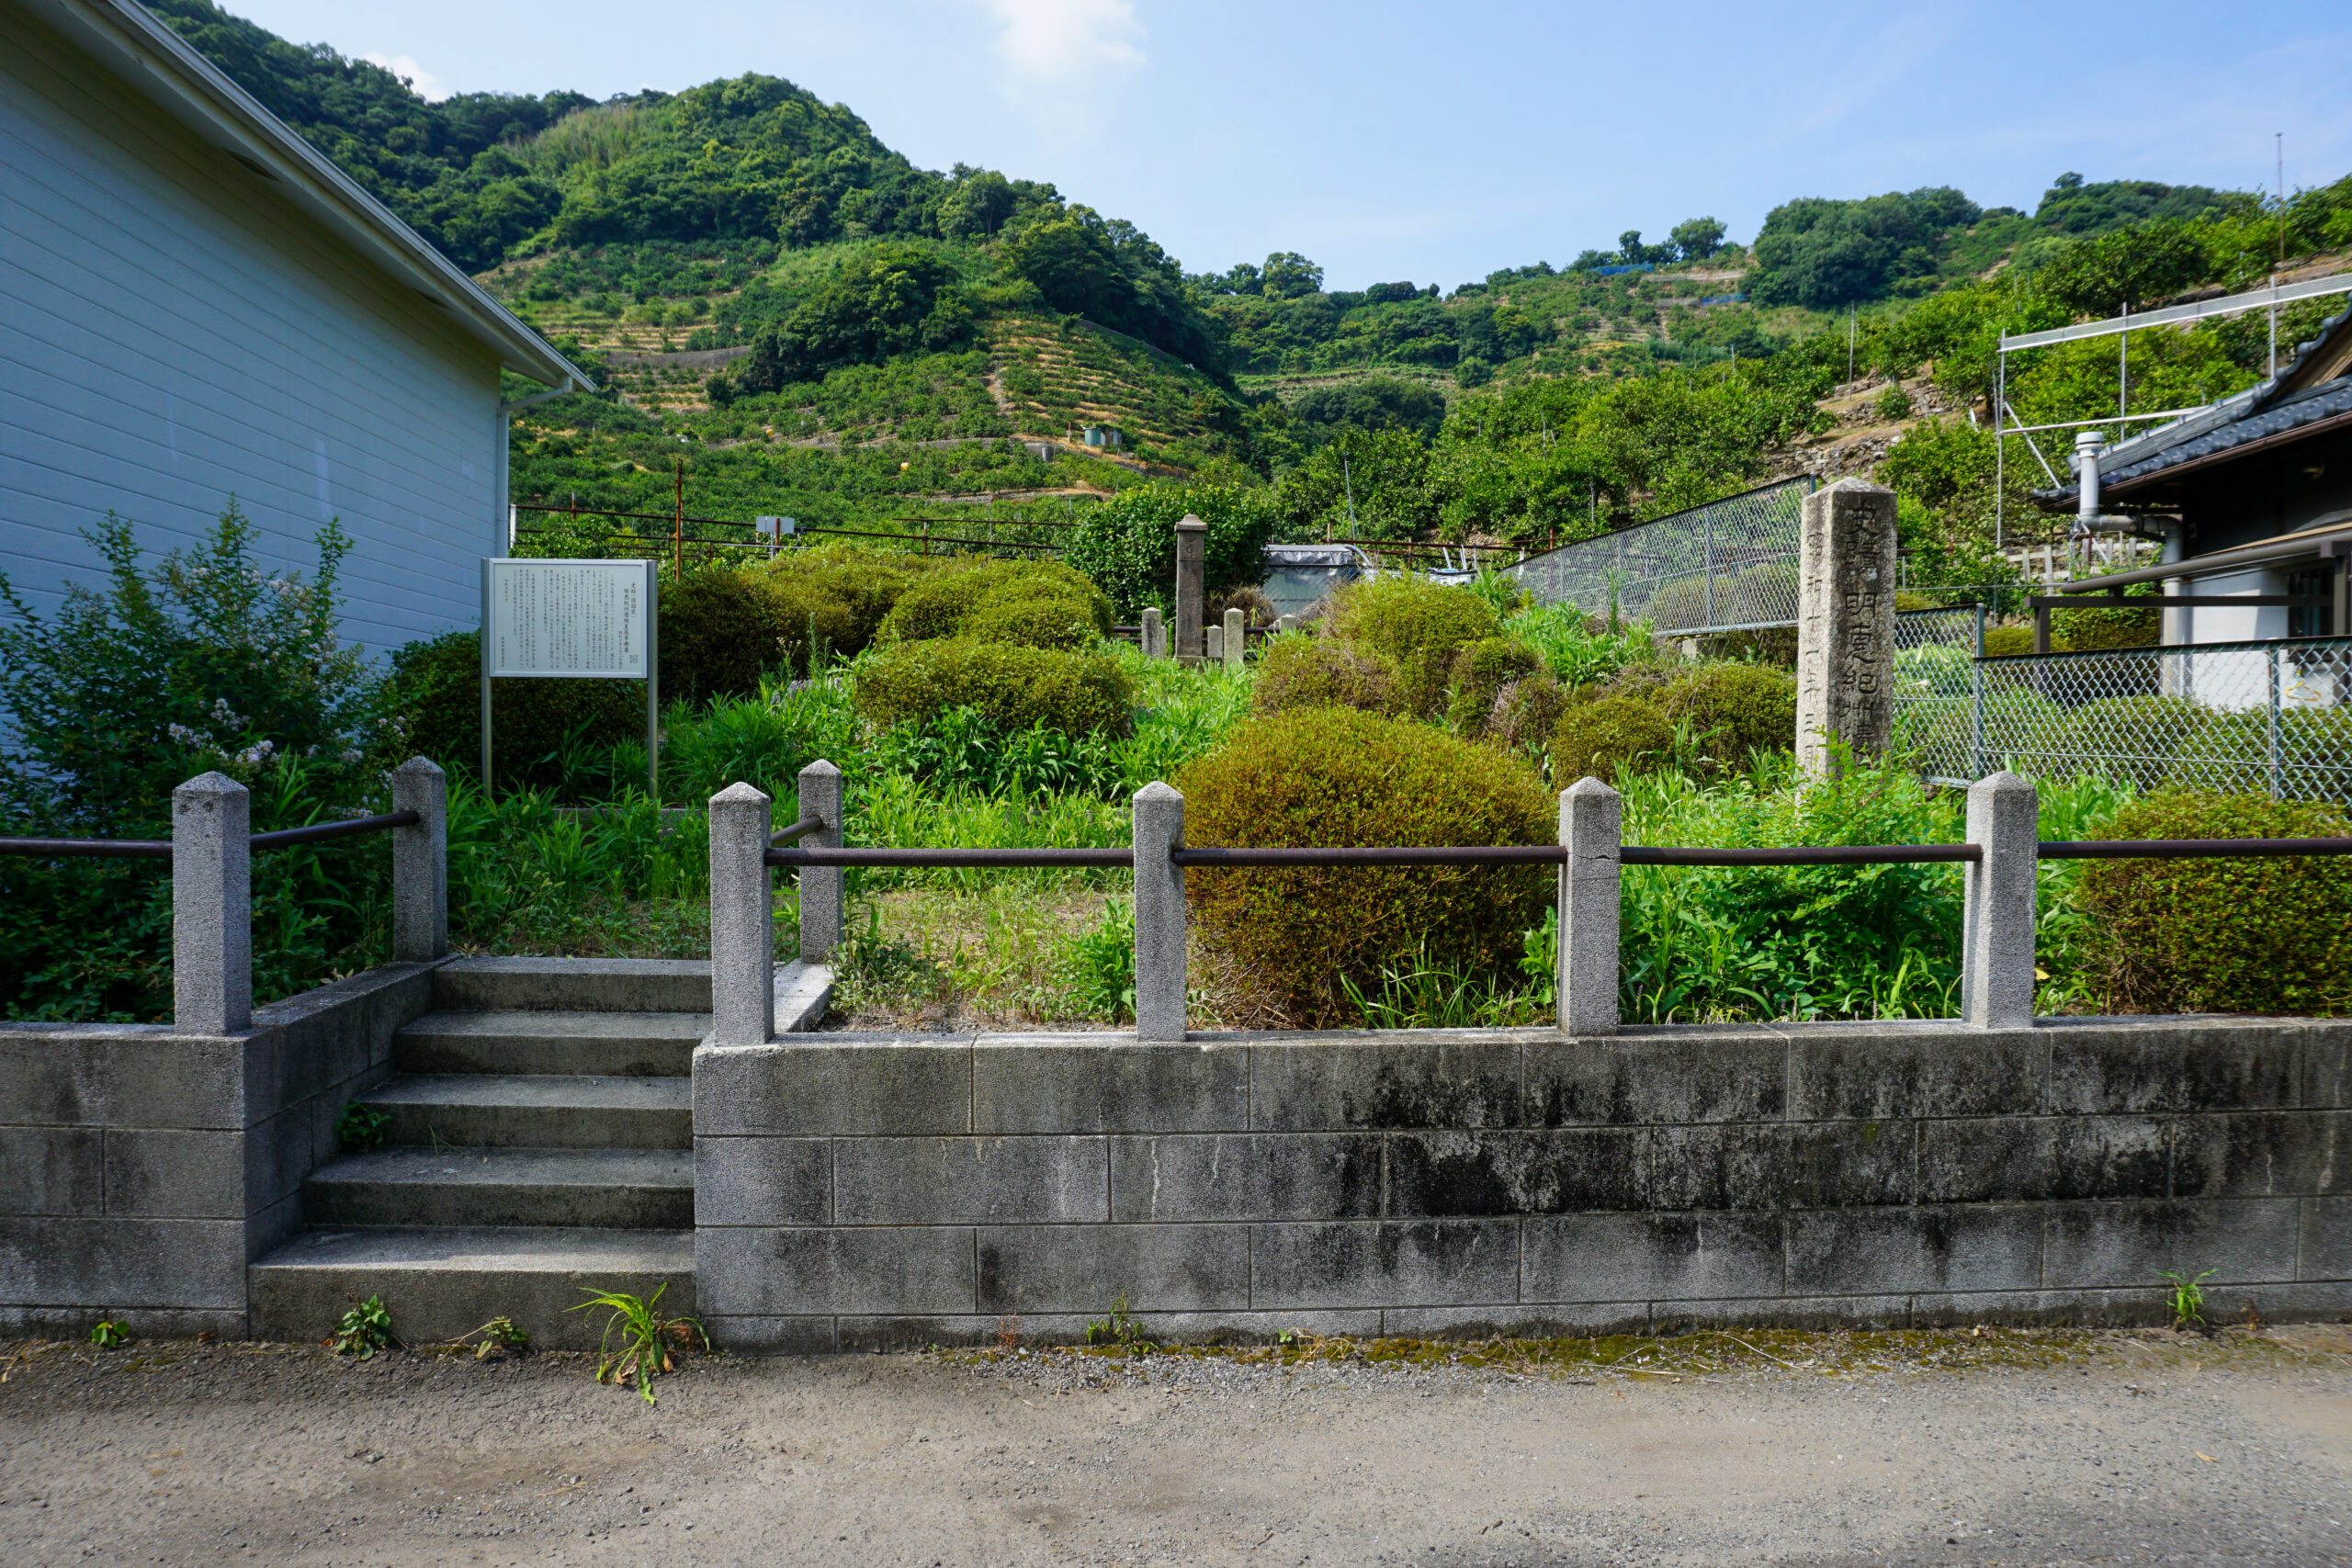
(569, 617)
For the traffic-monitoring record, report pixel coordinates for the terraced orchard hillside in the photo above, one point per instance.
(1055, 375)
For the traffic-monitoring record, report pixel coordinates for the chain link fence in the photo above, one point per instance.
(1730, 565)
(2250, 718)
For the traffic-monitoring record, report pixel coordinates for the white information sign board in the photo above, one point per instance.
(575, 620)
(591, 619)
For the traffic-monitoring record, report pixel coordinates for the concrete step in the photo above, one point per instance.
(606, 1189)
(440, 1282)
(536, 1112)
(574, 985)
(608, 1045)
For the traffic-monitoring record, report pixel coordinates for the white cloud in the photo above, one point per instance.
(427, 87)
(1065, 40)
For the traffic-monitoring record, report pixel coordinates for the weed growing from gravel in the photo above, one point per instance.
(2186, 1300)
(1122, 1329)
(645, 1335)
(109, 1334)
(498, 1333)
(364, 1330)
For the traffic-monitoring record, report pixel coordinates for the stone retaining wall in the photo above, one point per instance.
(141, 1169)
(863, 1191)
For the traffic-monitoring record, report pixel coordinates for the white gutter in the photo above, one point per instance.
(158, 64)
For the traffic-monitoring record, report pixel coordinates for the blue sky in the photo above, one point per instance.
(1438, 142)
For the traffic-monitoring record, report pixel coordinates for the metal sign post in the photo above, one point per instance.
(579, 620)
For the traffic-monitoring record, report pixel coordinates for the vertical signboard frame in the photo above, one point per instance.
(650, 600)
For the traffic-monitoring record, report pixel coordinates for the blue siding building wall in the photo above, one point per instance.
(173, 332)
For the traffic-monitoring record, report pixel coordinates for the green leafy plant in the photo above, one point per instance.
(360, 1127)
(498, 1333)
(1102, 964)
(364, 1330)
(2186, 1298)
(1122, 1329)
(107, 1334)
(645, 1338)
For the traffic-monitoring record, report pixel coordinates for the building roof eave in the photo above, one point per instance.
(157, 63)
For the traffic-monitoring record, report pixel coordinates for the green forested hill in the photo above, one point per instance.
(814, 325)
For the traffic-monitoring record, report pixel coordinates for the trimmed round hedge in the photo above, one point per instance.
(2259, 936)
(1337, 776)
(1303, 672)
(1035, 603)
(1734, 710)
(1417, 626)
(1010, 686)
(1611, 738)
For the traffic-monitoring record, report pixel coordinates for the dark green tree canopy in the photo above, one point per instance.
(893, 299)
(2072, 206)
(1369, 403)
(1821, 254)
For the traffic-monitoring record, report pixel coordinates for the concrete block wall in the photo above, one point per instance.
(854, 1192)
(141, 1169)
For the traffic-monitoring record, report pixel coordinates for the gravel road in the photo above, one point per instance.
(2114, 1447)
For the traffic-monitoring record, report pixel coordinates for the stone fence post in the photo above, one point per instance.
(1155, 633)
(1213, 644)
(1236, 638)
(1592, 831)
(1285, 624)
(1191, 543)
(212, 907)
(421, 864)
(1996, 983)
(821, 885)
(1159, 915)
(742, 919)
(1845, 622)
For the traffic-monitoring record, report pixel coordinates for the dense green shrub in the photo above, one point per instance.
(1128, 544)
(2137, 625)
(1417, 626)
(2271, 935)
(1010, 686)
(435, 696)
(835, 597)
(1036, 604)
(2011, 642)
(1480, 672)
(1043, 622)
(205, 663)
(720, 631)
(1300, 671)
(1611, 738)
(1526, 712)
(1335, 776)
(1734, 710)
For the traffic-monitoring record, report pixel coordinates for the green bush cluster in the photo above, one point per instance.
(1033, 603)
(1302, 671)
(2268, 935)
(436, 689)
(1336, 776)
(1012, 686)
(1417, 627)
(1710, 718)
(1481, 670)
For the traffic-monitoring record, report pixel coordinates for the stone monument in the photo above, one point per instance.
(1846, 623)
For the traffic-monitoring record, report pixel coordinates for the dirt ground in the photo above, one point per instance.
(2082, 1448)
